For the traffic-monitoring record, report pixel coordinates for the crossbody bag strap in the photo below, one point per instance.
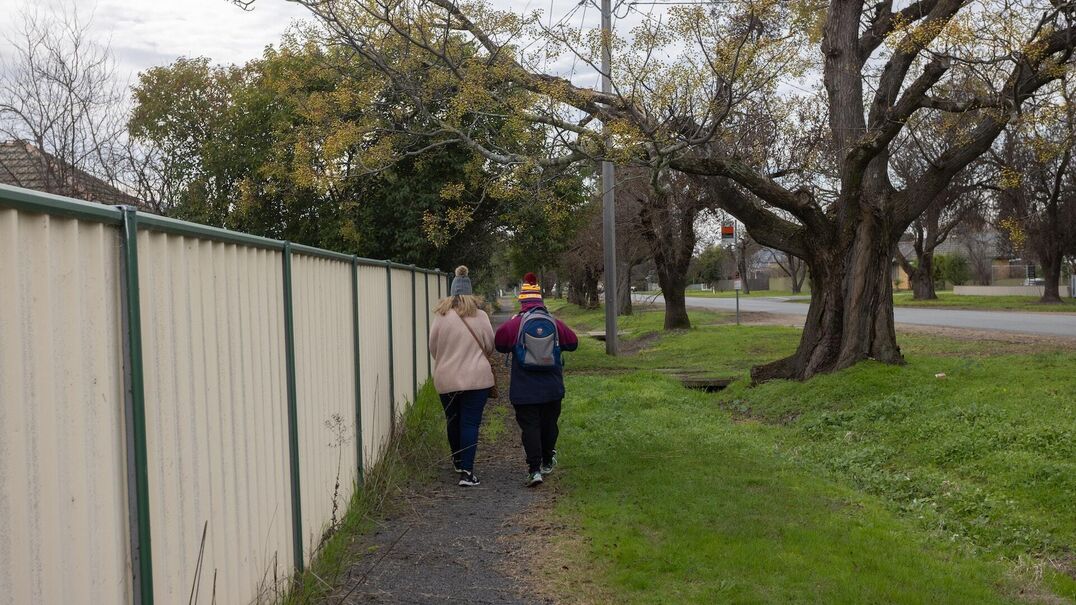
(474, 336)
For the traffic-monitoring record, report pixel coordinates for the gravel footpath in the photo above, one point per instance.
(448, 544)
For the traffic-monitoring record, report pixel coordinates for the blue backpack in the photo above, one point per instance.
(537, 343)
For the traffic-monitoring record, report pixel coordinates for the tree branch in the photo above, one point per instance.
(798, 203)
(885, 21)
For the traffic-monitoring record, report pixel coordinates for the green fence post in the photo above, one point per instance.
(358, 365)
(414, 337)
(392, 355)
(426, 312)
(135, 413)
(293, 414)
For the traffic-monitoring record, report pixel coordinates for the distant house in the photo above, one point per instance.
(24, 165)
(986, 250)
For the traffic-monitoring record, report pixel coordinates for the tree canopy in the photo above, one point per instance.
(702, 92)
(309, 145)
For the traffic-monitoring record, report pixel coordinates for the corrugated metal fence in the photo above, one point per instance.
(184, 410)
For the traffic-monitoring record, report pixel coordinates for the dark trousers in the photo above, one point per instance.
(463, 416)
(538, 422)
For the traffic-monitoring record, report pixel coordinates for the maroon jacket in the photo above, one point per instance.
(530, 387)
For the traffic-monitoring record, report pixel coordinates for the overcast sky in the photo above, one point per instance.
(145, 33)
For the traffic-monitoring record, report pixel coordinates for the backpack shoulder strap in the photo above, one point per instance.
(523, 317)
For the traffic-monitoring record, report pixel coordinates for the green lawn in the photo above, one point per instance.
(873, 485)
(948, 300)
(945, 300)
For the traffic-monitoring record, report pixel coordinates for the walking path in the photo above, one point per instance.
(452, 544)
(1052, 324)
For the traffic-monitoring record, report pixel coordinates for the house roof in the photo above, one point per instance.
(24, 165)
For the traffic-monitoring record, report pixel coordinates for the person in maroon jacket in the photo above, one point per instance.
(536, 394)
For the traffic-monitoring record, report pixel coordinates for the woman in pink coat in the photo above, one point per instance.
(461, 339)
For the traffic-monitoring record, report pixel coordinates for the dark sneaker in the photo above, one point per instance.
(456, 467)
(548, 467)
(534, 479)
(468, 479)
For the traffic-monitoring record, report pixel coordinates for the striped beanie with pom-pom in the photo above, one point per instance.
(530, 293)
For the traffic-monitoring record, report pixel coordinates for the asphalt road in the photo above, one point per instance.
(1053, 324)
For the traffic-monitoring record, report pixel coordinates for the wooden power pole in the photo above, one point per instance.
(608, 195)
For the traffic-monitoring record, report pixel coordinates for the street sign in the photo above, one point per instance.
(737, 285)
(728, 231)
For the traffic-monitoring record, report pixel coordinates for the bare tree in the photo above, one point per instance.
(59, 94)
(958, 202)
(632, 248)
(745, 249)
(979, 242)
(581, 265)
(669, 204)
(1037, 186)
(794, 268)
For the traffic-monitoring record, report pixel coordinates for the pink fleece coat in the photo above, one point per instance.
(459, 364)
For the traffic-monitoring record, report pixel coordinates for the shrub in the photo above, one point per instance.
(957, 270)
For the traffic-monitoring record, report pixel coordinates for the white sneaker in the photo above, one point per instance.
(548, 468)
(534, 479)
(468, 480)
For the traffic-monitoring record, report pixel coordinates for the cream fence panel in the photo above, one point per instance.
(402, 338)
(325, 381)
(63, 493)
(216, 418)
(422, 324)
(375, 362)
(207, 358)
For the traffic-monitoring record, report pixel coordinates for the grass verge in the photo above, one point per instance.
(948, 300)
(876, 484)
(945, 300)
(411, 457)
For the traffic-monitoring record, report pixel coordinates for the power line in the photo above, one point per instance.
(680, 2)
(559, 22)
(579, 34)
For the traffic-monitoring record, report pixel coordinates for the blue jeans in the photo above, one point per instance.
(463, 415)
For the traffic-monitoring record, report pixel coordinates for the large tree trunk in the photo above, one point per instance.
(851, 313)
(592, 300)
(1050, 253)
(667, 217)
(676, 309)
(922, 279)
(672, 278)
(922, 285)
(920, 275)
(1051, 269)
(576, 294)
